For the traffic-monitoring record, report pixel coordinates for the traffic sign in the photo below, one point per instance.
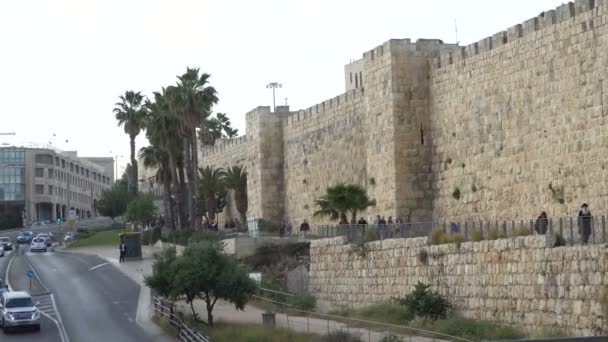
(29, 274)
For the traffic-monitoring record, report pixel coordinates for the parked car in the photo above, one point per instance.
(1, 252)
(6, 243)
(25, 237)
(18, 309)
(38, 244)
(47, 239)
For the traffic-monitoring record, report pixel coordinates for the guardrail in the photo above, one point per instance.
(572, 230)
(369, 331)
(185, 333)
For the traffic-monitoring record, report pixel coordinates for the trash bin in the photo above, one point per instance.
(268, 318)
(133, 242)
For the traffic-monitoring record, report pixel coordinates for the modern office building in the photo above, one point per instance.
(42, 184)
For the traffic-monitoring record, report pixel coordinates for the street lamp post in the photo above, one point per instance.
(274, 86)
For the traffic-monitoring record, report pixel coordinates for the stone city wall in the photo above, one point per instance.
(520, 281)
(324, 145)
(518, 120)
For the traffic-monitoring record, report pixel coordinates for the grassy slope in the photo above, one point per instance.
(104, 238)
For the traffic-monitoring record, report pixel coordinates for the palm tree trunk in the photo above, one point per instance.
(175, 181)
(189, 173)
(183, 193)
(196, 197)
(168, 203)
(132, 179)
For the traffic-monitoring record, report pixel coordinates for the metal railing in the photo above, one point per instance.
(185, 333)
(572, 230)
(370, 331)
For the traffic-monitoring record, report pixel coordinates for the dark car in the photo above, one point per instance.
(25, 237)
(6, 243)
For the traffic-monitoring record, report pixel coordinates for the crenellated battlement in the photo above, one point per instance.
(546, 19)
(320, 109)
(222, 145)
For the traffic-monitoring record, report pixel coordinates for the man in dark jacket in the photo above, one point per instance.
(123, 251)
(362, 221)
(304, 228)
(584, 223)
(541, 224)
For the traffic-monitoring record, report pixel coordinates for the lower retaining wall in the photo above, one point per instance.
(521, 281)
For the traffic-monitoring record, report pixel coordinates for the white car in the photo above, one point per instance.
(18, 310)
(38, 244)
(6, 244)
(46, 237)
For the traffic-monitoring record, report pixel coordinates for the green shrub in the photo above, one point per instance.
(496, 234)
(392, 338)
(476, 235)
(180, 237)
(393, 313)
(423, 302)
(203, 236)
(476, 330)
(521, 231)
(150, 236)
(340, 336)
(305, 303)
(437, 237)
(255, 332)
(457, 238)
(456, 193)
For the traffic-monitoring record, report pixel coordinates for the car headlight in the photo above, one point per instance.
(9, 316)
(36, 314)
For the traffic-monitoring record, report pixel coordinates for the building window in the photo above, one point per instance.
(44, 159)
(57, 161)
(39, 172)
(39, 189)
(50, 189)
(50, 173)
(62, 164)
(356, 81)
(87, 173)
(361, 78)
(71, 167)
(12, 156)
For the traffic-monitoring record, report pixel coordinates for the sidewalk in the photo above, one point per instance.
(136, 271)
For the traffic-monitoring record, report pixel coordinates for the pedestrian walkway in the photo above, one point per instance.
(226, 312)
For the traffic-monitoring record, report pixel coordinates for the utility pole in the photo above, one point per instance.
(274, 86)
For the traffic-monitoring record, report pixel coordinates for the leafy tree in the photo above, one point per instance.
(130, 113)
(203, 271)
(236, 179)
(163, 272)
(141, 209)
(425, 303)
(154, 156)
(342, 199)
(113, 203)
(212, 189)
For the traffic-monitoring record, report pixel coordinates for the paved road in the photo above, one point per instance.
(48, 330)
(90, 299)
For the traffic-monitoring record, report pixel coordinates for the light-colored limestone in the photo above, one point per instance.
(519, 280)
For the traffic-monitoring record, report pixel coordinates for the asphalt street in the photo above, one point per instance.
(89, 299)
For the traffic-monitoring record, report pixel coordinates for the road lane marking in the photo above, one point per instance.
(8, 267)
(98, 266)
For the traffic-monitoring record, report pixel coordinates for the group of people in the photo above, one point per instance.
(286, 228)
(585, 222)
(380, 220)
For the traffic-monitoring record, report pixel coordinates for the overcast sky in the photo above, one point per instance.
(63, 63)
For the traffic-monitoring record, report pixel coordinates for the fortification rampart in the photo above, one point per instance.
(521, 127)
(521, 281)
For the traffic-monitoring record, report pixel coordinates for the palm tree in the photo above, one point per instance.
(236, 179)
(154, 156)
(130, 114)
(214, 128)
(342, 199)
(195, 98)
(164, 130)
(212, 188)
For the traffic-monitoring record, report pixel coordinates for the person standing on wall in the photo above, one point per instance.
(541, 224)
(362, 222)
(584, 223)
(123, 251)
(304, 228)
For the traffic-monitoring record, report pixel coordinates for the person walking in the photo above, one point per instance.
(362, 221)
(304, 228)
(541, 224)
(123, 251)
(584, 223)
